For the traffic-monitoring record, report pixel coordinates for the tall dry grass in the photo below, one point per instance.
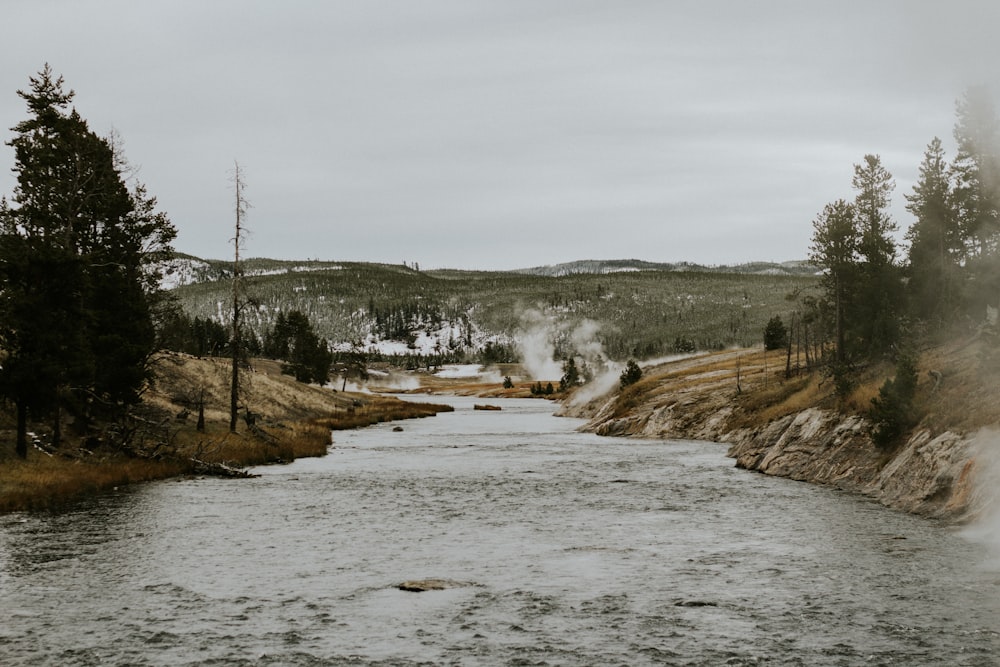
(295, 421)
(47, 482)
(377, 410)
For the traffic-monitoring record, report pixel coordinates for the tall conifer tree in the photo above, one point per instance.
(880, 291)
(935, 244)
(78, 252)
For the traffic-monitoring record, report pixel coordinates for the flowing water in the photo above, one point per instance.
(561, 548)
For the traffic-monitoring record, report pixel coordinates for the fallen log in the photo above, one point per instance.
(477, 406)
(219, 469)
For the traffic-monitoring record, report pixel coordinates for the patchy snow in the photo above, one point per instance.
(292, 269)
(178, 272)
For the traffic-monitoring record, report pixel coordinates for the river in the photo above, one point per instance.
(562, 548)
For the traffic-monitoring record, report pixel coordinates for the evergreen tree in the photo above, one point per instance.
(879, 292)
(775, 334)
(935, 243)
(292, 339)
(571, 375)
(78, 252)
(975, 174)
(892, 412)
(835, 244)
(631, 374)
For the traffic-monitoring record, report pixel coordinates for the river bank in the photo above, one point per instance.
(287, 420)
(792, 427)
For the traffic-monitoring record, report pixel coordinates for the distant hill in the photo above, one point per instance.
(629, 308)
(188, 269)
(606, 266)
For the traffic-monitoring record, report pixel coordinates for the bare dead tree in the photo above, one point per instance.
(236, 342)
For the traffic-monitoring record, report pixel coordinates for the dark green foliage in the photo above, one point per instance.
(538, 390)
(877, 306)
(853, 243)
(307, 357)
(935, 243)
(642, 313)
(775, 334)
(78, 257)
(507, 382)
(497, 353)
(631, 374)
(198, 337)
(683, 345)
(834, 247)
(571, 375)
(976, 173)
(892, 412)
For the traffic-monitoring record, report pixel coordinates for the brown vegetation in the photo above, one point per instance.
(957, 388)
(287, 420)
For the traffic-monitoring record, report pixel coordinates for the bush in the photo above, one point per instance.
(775, 334)
(571, 376)
(892, 411)
(631, 374)
(683, 345)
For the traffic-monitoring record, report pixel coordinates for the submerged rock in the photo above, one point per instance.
(422, 585)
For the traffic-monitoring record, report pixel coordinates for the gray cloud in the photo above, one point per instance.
(505, 134)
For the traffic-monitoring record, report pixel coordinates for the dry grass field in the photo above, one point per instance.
(957, 387)
(291, 420)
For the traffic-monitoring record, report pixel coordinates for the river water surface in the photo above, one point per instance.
(562, 548)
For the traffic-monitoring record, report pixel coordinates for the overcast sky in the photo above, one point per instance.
(506, 134)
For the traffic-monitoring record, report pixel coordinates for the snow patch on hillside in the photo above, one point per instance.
(179, 272)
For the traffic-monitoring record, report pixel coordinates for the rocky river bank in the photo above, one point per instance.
(933, 472)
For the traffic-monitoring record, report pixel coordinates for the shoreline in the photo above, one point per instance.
(290, 420)
(791, 427)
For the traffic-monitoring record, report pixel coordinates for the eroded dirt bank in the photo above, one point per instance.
(783, 427)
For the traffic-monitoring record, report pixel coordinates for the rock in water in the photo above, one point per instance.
(421, 585)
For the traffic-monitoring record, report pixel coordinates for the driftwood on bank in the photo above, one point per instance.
(219, 469)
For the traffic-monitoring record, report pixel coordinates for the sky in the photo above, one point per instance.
(506, 134)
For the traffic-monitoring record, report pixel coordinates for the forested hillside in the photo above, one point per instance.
(640, 314)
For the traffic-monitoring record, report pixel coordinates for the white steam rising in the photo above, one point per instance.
(536, 343)
(985, 449)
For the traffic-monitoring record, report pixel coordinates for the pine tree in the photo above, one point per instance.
(880, 289)
(975, 176)
(77, 267)
(571, 375)
(976, 172)
(935, 243)
(775, 334)
(306, 356)
(630, 375)
(835, 244)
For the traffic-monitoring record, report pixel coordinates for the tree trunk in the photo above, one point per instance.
(201, 412)
(57, 426)
(788, 356)
(21, 447)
